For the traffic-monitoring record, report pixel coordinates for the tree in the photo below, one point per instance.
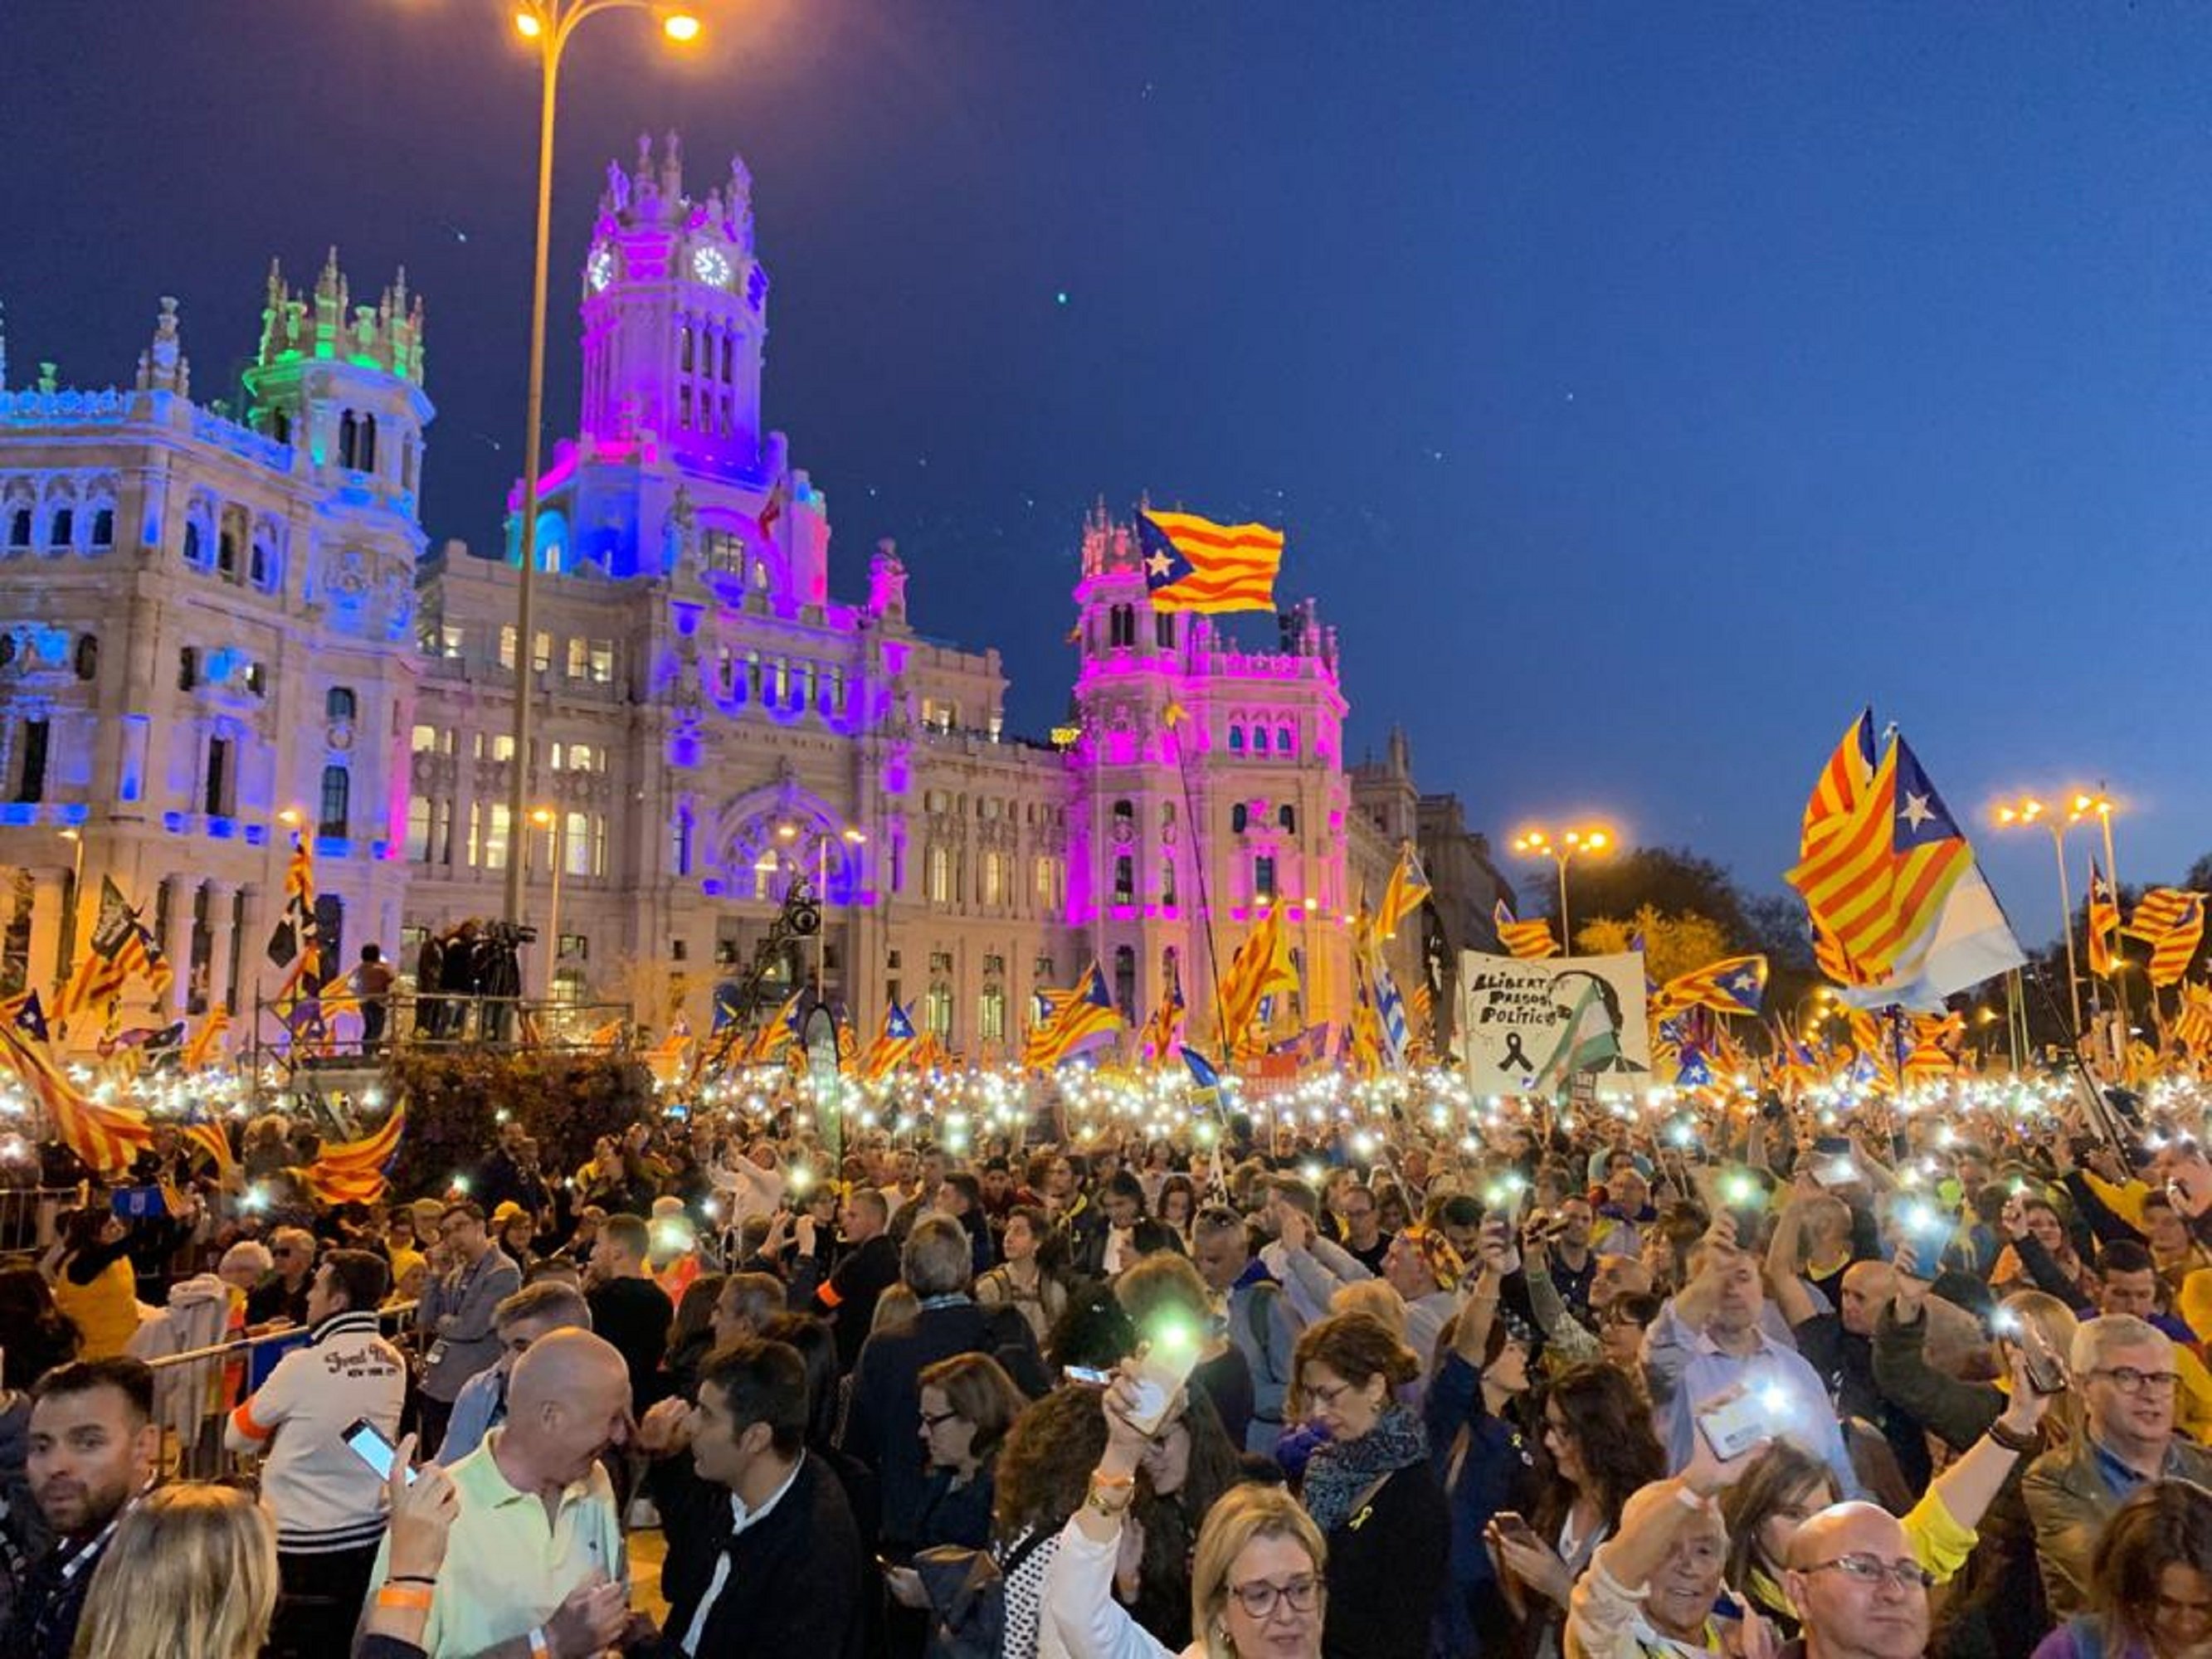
(1670, 880)
(1672, 944)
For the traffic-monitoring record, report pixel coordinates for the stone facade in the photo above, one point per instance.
(213, 630)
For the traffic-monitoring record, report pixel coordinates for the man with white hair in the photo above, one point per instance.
(2125, 1372)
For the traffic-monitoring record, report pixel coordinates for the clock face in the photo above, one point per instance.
(599, 268)
(710, 264)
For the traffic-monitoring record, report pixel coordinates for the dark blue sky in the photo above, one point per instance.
(1641, 388)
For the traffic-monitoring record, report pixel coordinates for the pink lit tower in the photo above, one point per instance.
(671, 461)
(1212, 781)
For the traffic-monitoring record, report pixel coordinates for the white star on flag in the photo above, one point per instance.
(1916, 810)
(1160, 564)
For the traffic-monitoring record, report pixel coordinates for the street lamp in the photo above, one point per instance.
(2028, 810)
(1587, 842)
(546, 818)
(75, 839)
(547, 25)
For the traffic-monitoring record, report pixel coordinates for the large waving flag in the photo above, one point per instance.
(1044, 1014)
(2103, 923)
(206, 1044)
(106, 1137)
(1194, 564)
(1404, 893)
(2158, 913)
(1893, 884)
(773, 1039)
(121, 950)
(1261, 967)
(2192, 1021)
(1531, 941)
(208, 1136)
(2176, 946)
(1843, 781)
(893, 1046)
(1734, 985)
(295, 945)
(1166, 1021)
(1086, 1017)
(353, 1172)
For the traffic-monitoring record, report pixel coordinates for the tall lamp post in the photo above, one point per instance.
(1586, 842)
(2020, 815)
(74, 837)
(546, 817)
(547, 25)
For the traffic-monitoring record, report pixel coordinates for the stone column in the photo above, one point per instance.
(47, 968)
(176, 942)
(222, 938)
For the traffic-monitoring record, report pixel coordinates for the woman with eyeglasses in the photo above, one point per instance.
(1371, 1489)
(1258, 1583)
(1597, 1449)
(2151, 1581)
(968, 1404)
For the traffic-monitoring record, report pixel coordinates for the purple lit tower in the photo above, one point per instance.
(1240, 797)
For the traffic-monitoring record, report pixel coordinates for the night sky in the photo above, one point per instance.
(1641, 388)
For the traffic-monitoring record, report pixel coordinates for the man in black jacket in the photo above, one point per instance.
(763, 1556)
(868, 1266)
(883, 1430)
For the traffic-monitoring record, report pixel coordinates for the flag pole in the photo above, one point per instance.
(1205, 898)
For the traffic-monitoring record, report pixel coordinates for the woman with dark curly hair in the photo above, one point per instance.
(1044, 1476)
(1596, 1448)
(1372, 1491)
(1191, 1461)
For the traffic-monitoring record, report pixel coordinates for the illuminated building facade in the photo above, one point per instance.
(270, 635)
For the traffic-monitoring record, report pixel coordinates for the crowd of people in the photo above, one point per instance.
(1932, 1387)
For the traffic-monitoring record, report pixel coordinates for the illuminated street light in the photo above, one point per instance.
(548, 25)
(2022, 814)
(1584, 843)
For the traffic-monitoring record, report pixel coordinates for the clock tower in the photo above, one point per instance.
(675, 315)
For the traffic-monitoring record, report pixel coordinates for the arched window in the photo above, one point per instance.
(337, 801)
(348, 438)
(1235, 739)
(1125, 978)
(1240, 815)
(1164, 630)
(103, 528)
(261, 566)
(364, 445)
(188, 668)
(226, 554)
(1167, 881)
(1124, 813)
(1121, 626)
(195, 553)
(1286, 816)
(1259, 739)
(1125, 880)
(1263, 875)
(87, 658)
(1284, 743)
(280, 427)
(339, 703)
(61, 532)
(19, 528)
(690, 348)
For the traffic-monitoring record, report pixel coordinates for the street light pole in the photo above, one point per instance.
(75, 839)
(2021, 813)
(1535, 843)
(549, 23)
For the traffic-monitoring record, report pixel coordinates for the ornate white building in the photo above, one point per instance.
(214, 628)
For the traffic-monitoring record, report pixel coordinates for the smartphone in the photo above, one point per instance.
(1167, 1359)
(368, 1445)
(1091, 1375)
(2045, 1374)
(1734, 1426)
(137, 1203)
(1513, 1527)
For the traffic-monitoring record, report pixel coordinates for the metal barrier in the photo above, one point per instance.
(27, 1215)
(197, 1384)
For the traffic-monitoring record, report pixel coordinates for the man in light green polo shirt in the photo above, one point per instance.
(535, 1565)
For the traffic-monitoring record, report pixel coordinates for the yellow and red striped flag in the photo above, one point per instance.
(2176, 946)
(1166, 1021)
(119, 950)
(207, 1041)
(1194, 564)
(1261, 967)
(1403, 893)
(353, 1172)
(106, 1137)
(2104, 923)
(1877, 880)
(894, 1045)
(2158, 912)
(1531, 941)
(1037, 1041)
(209, 1137)
(2193, 1020)
(1082, 1018)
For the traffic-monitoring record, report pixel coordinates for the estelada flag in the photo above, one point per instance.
(1194, 564)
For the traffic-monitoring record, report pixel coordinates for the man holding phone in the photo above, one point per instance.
(328, 1504)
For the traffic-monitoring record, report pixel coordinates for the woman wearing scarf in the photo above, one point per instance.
(1372, 1491)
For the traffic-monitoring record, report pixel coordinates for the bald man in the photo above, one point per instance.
(535, 1562)
(1855, 1581)
(1840, 1346)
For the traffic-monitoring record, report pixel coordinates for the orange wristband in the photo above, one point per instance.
(404, 1596)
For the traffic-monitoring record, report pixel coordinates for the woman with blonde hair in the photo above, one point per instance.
(191, 1574)
(1258, 1576)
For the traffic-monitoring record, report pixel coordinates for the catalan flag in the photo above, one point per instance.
(1194, 564)
(2158, 913)
(207, 1043)
(2103, 923)
(1843, 781)
(1364, 1034)
(1166, 1021)
(121, 950)
(1421, 1021)
(1403, 893)
(106, 1138)
(1037, 1041)
(353, 1173)
(295, 944)
(2192, 1021)
(669, 1058)
(1084, 1018)
(1734, 985)
(1261, 967)
(1531, 941)
(775, 1038)
(2176, 948)
(1893, 886)
(893, 1046)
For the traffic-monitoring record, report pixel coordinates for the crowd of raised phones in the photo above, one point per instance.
(1931, 1389)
